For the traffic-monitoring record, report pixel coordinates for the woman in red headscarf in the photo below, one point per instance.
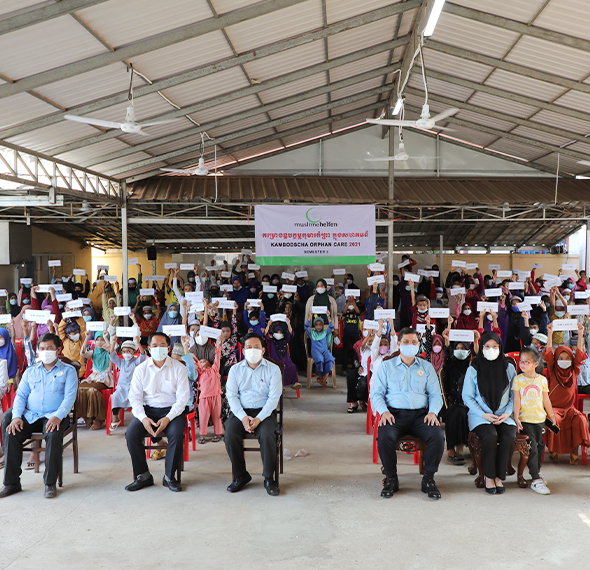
(466, 318)
(562, 373)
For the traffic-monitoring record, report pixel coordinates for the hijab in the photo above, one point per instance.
(466, 322)
(7, 353)
(168, 320)
(14, 310)
(100, 356)
(564, 376)
(280, 344)
(322, 300)
(42, 328)
(492, 378)
(437, 360)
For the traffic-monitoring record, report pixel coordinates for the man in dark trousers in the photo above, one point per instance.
(406, 393)
(254, 387)
(42, 404)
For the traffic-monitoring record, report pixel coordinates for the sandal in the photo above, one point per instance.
(115, 425)
(201, 440)
(554, 457)
(30, 465)
(88, 422)
(573, 458)
(158, 454)
(216, 438)
(352, 409)
(296, 386)
(96, 424)
(322, 380)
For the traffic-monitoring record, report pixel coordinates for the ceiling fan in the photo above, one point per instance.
(200, 170)
(400, 156)
(424, 122)
(584, 162)
(130, 125)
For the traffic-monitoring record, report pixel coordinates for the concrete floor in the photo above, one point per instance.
(329, 514)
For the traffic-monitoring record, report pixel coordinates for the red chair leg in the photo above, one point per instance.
(109, 416)
(193, 427)
(148, 442)
(298, 394)
(369, 417)
(185, 441)
(375, 449)
(416, 458)
(122, 416)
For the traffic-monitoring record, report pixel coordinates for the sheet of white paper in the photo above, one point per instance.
(515, 285)
(533, 299)
(565, 325)
(431, 273)
(34, 316)
(110, 278)
(421, 328)
(79, 272)
(403, 264)
(45, 288)
(289, 288)
(412, 277)
(568, 266)
(301, 273)
(458, 263)
(170, 265)
(461, 335)
(352, 292)
(329, 280)
(376, 266)
(438, 313)
(493, 266)
(370, 325)
(174, 330)
(126, 332)
(421, 272)
(102, 267)
(3, 293)
(253, 267)
(132, 260)
(582, 294)
(578, 310)
(26, 280)
(457, 291)
(471, 266)
(194, 296)
(5, 319)
(187, 267)
(505, 273)
(226, 287)
(71, 314)
(319, 310)
(493, 292)
(122, 311)
(524, 306)
(96, 326)
(339, 271)
(75, 304)
(289, 276)
(383, 314)
(487, 307)
(269, 288)
(254, 302)
(54, 263)
(209, 332)
(147, 292)
(278, 317)
(376, 279)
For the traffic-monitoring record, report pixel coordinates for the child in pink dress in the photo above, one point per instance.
(210, 395)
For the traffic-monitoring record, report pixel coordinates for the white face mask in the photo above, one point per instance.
(75, 337)
(47, 356)
(439, 295)
(491, 353)
(128, 357)
(320, 290)
(2, 341)
(490, 318)
(200, 340)
(365, 333)
(350, 308)
(159, 353)
(349, 282)
(147, 316)
(279, 336)
(395, 282)
(467, 312)
(564, 363)
(253, 355)
(288, 295)
(472, 286)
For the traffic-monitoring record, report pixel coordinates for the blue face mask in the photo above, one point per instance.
(87, 318)
(560, 314)
(570, 285)
(254, 323)
(270, 295)
(516, 309)
(173, 314)
(12, 301)
(26, 301)
(408, 287)
(409, 350)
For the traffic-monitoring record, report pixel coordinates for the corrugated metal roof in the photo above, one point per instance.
(456, 66)
(521, 11)
(514, 83)
(311, 82)
(8, 6)
(22, 107)
(337, 10)
(567, 17)
(562, 122)
(516, 149)
(502, 105)
(363, 37)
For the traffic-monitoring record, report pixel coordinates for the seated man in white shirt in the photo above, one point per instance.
(254, 387)
(158, 395)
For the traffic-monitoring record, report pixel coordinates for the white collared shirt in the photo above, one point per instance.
(163, 387)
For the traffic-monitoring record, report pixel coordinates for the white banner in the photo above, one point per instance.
(317, 235)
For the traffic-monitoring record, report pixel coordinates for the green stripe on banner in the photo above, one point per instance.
(317, 260)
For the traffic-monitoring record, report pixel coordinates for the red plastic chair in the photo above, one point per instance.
(369, 410)
(376, 450)
(516, 356)
(239, 355)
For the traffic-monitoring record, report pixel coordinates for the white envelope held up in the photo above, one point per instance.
(565, 325)
(226, 274)
(471, 266)
(122, 311)
(54, 263)
(269, 288)
(75, 304)
(457, 263)
(253, 267)
(126, 332)
(132, 260)
(147, 292)
(301, 274)
(493, 266)
(370, 325)
(71, 314)
(487, 307)
(568, 266)
(110, 278)
(504, 273)
(319, 310)
(289, 276)
(384, 314)
(533, 299)
(515, 285)
(170, 265)
(174, 330)
(254, 302)
(582, 294)
(5, 319)
(329, 280)
(289, 288)
(278, 317)
(227, 287)
(403, 264)
(412, 277)
(457, 291)
(524, 307)
(209, 332)
(376, 267)
(4, 293)
(352, 292)
(26, 280)
(493, 292)
(438, 313)
(461, 335)
(79, 272)
(102, 267)
(376, 279)
(578, 310)
(187, 267)
(194, 296)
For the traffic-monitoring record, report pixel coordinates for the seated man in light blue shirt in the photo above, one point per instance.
(42, 404)
(406, 393)
(254, 387)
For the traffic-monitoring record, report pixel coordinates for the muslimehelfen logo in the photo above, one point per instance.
(314, 220)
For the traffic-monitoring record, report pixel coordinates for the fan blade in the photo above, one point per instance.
(90, 121)
(584, 162)
(391, 122)
(140, 132)
(157, 123)
(176, 170)
(445, 129)
(444, 114)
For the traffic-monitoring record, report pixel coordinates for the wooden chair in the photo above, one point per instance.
(522, 446)
(307, 343)
(278, 431)
(148, 445)
(35, 442)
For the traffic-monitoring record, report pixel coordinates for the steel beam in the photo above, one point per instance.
(221, 65)
(497, 115)
(23, 19)
(505, 65)
(245, 132)
(147, 45)
(228, 97)
(243, 115)
(29, 201)
(518, 27)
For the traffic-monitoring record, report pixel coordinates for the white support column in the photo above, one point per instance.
(585, 261)
(440, 260)
(390, 224)
(125, 277)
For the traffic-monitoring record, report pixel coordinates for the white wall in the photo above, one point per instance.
(345, 156)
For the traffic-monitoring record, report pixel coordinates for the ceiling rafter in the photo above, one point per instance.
(217, 66)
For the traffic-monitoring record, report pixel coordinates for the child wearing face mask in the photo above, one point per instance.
(320, 337)
(278, 335)
(90, 402)
(72, 332)
(351, 330)
(145, 319)
(382, 346)
(209, 395)
(531, 407)
(171, 317)
(466, 318)
(126, 363)
(558, 311)
(457, 357)
(255, 318)
(420, 306)
(563, 369)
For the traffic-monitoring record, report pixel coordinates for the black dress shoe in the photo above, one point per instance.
(50, 492)
(430, 488)
(172, 484)
(390, 487)
(141, 482)
(500, 490)
(239, 483)
(271, 487)
(10, 490)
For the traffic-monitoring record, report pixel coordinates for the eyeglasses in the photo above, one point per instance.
(526, 362)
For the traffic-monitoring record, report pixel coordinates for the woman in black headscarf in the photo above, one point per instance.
(322, 299)
(487, 392)
(12, 305)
